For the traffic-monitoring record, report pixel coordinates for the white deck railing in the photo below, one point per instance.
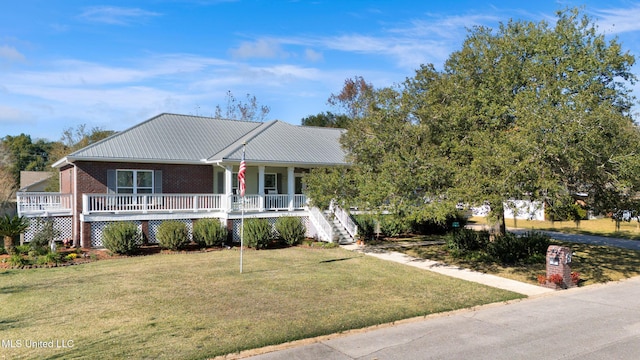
(346, 221)
(148, 203)
(39, 203)
(322, 225)
(45, 204)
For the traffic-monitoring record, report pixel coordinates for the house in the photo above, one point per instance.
(34, 181)
(182, 167)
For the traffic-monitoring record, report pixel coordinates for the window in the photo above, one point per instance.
(234, 183)
(271, 183)
(134, 182)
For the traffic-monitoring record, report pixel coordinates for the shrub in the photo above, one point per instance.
(172, 235)
(22, 249)
(17, 260)
(209, 232)
(291, 230)
(507, 249)
(257, 233)
(45, 235)
(536, 243)
(50, 258)
(121, 238)
(510, 248)
(556, 279)
(393, 226)
(465, 240)
(366, 225)
(575, 277)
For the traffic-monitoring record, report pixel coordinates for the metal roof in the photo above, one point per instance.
(280, 142)
(174, 138)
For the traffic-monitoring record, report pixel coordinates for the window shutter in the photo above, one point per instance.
(220, 182)
(111, 182)
(157, 182)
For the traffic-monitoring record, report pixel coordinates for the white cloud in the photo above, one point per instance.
(10, 54)
(312, 55)
(262, 48)
(9, 114)
(616, 21)
(116, 15)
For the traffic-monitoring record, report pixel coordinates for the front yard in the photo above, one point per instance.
(595, 264)
(198, 305)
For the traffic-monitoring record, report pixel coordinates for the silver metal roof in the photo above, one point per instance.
(176, 138)
(280, 142)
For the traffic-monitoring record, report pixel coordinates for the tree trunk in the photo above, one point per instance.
(8, 242)
(499, 228)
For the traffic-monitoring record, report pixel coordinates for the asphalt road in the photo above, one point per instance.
(594, 322)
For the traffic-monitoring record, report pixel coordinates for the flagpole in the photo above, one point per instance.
(242, 187)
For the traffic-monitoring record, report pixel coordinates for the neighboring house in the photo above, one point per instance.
(180, 167)
(34, 181)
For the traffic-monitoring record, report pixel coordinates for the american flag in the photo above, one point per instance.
(241, 171)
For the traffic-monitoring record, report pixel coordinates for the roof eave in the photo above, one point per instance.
(68, 160)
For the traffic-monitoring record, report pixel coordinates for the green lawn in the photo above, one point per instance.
(198, 305)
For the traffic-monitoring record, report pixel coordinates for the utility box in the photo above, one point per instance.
(559, 267)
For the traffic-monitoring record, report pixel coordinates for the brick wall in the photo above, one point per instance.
(176, 179)
(66, 179)
(559, 263)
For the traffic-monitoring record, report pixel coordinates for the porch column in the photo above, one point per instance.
(228, 186)
(261, 186)
(291, 186)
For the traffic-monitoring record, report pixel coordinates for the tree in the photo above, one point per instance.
(326, 119)
(530, 111)
(245, 111)
(535, 112)
(355, 98)
(7, 187)
(73, 139)
(26, 154)
(10, 227)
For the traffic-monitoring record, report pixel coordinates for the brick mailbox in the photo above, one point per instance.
(559, 267)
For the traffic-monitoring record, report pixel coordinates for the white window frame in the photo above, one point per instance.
(135, 189)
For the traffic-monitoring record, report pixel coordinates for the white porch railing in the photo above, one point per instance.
(149, 203)
(346, 221)
(146, 203)
(299, 201)
(268, 202)
(322, 225)
(251, 203)
(43, 204)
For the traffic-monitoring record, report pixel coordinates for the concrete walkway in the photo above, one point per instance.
(453, 271)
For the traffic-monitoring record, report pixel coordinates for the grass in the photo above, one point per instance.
(596, 264)
(198, 305)
(601, 227)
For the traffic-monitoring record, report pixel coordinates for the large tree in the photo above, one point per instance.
(528, 111)
(536, 111)
(326, 119)
(25, 154)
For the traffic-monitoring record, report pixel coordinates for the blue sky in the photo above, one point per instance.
(113, 64)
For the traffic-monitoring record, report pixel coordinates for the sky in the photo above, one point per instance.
(113, 64)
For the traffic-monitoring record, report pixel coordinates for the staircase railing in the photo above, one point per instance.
(347, 222)
(322, 225)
